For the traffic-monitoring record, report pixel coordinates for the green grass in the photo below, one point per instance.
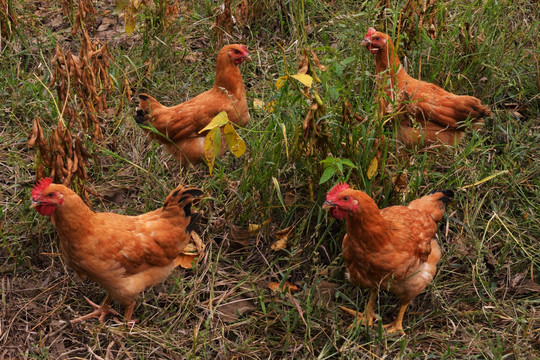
(483, 302)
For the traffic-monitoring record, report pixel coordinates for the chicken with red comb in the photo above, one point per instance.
(430, 114)
(392, 248)
(124, 254)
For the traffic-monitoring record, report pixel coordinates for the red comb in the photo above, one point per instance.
(40, 186)
(244, 48)
(336, 190)
(370, 33)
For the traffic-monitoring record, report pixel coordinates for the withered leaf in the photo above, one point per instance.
(287, 286)
(231, 311)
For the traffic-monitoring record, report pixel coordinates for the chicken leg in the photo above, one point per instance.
(396, 325)
(367, 317)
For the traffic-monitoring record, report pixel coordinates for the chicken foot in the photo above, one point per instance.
(368, 316)
(100, 312)
(396, 326)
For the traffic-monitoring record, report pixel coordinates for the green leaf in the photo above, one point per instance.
(235, 143)
(339, 165)
(212, 147)
(348, 60)
(329, 161)
(348, 162)
(218, 120)
(304, 79)
(327, 174)
(281, 81)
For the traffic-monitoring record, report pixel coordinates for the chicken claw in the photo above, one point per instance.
(368, 316)
(100, 312)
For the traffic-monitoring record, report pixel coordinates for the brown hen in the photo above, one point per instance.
(432, 115)
(178, 126)
(124, 254)
(392, 248)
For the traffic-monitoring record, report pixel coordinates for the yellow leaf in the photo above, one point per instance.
(190, 249)
(304, 79)
(372, 169)
(258, 104)
(253, 228)
(218, 120)
(185, 261)
(486, 179)
(130, 14)
(279, 245)
(284, 233)
(197, 241)
(284, 131)
(270, 106)
(274, 286)
(212, 147)
(281, 81)
(234, 141)
(119, 6)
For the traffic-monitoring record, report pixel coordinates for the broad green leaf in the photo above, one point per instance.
(281, 81)
(119, 6)
(372, 168)
(348, 60)
(339, 164)
(234, 141)
(329, 161)
(218, 120)
(304, 79)
(212, 147)
(348, 163)
(327, 174)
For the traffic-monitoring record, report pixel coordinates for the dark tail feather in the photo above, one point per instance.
(140, 116)
(146, 103)
(448, 195)
(184, 198)
(433, 204)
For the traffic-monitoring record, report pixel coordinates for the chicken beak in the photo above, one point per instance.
(247, 57)
(34, 204)
(327, 205)
(365, 42)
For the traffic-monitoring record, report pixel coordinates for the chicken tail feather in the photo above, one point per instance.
(433, 204)
(146, 105)
(182, 198)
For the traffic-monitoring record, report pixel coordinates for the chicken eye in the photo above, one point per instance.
(237, 51)
(50, 194)
(376, 38)
(346, 198)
